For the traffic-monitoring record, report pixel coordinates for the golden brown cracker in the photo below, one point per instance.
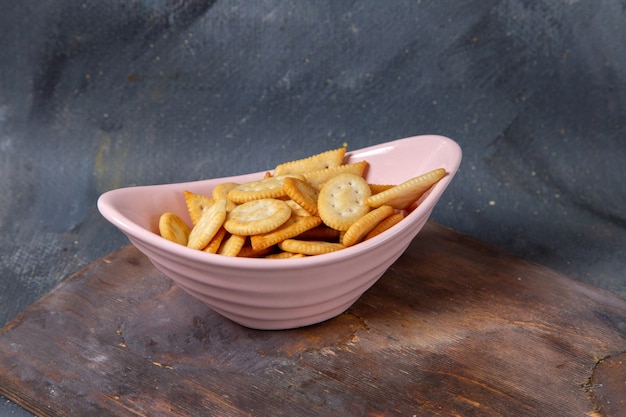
(323, 160)
(342, 200)
(309, 247)
(257, 216)
(208, 225)
(302, 193)
(173, 228)
(296, 209)
(271, 187)
(318, 178)
(403, 195)
(284, 255)
(232, 245)
(386, 224)
(360, 228)
(291, 228)
(215, 243)
(221, 191)
(196, 204)
(377, 188)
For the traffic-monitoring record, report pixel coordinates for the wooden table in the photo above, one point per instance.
(454, 328)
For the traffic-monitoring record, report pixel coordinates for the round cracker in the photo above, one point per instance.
(403, 195)
(257, 216)
(360, 228)
(221, 191)
(342, 200)
(173, 228)
(269, 187)
(309, 247)
(209, 224)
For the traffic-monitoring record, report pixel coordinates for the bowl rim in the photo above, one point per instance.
(107, 206)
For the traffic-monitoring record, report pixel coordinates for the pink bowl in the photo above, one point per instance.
(289, 293)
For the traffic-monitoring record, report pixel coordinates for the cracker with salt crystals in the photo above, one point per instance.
(342, 200)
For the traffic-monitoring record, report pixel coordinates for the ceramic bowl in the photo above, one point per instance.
(281, 294)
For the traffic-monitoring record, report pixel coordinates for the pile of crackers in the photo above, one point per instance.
(305, 207)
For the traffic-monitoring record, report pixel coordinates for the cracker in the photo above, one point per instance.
(291, 228)
(196, 204)
(317, 178)
(360, 228)
(215, 243)
(342, 200)
(302, 193)
(173, 228)
(221, 191)
(270, 187)
(285, 255)
(296, 209)
(377, 188)
(327, 159)
(403, 195)
(232, 245)
(309, 247)
(257, 216)
(208, 225)
(384, 225)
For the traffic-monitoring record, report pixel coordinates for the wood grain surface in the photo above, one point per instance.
(455, 327)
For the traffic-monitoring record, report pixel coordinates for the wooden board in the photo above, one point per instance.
(455, 327)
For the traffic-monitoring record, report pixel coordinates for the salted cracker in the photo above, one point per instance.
(342, 200)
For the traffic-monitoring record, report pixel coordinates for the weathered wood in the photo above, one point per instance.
(454, 327)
